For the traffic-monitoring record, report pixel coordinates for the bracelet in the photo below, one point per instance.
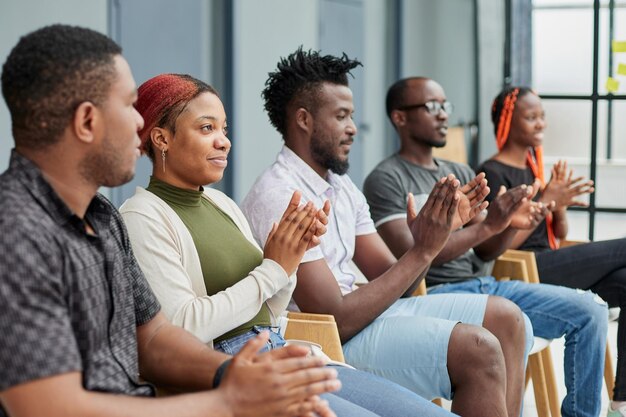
(220, 372)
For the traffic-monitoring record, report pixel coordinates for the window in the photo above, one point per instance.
(571, 62)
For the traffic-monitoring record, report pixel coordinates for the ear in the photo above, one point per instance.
(86, 122)
(160, 138)
(398, 118)
(304, 120)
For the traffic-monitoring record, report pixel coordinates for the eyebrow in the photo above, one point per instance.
(201, 118)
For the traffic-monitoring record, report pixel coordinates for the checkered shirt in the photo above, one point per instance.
(69, 301)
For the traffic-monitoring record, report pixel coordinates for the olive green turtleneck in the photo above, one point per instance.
(226, 256)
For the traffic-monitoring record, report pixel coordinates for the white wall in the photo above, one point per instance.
(378, 39)
(264, 31)
(18, 18)
(491, 22)
(438, 42)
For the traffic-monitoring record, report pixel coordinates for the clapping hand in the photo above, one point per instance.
(564, 190)
(431, 228)
(471, 201)
(282, 382)
(298, 230)
(530, 213)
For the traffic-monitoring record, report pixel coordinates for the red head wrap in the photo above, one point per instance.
(158, 96)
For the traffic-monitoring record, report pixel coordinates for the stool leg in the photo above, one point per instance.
(553, 392)
(535, 365)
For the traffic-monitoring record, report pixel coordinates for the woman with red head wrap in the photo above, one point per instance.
(197, 251)
(519, 124)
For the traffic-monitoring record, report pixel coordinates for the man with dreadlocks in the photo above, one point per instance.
(417, 342)
(519, 124)
(418, 109)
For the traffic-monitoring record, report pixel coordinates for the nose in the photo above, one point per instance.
(351, 129)
(442, 114)
(222, 143)
(140, 121)
(542, 123)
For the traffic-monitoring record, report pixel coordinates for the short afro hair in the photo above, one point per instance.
(298, 79)
(49, 73)
(396, 94)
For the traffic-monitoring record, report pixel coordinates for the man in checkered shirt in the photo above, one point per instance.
(78, 321)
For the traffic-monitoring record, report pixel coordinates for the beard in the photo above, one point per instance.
(431, 142)
(105, 167)
(321, 151)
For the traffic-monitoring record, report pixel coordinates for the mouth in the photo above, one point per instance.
(220, 161)
(443, 130)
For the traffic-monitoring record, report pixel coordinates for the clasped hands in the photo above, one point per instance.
(298, 230)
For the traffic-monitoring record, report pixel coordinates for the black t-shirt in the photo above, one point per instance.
(501, 174)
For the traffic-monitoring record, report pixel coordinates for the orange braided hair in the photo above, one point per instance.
(502, 111)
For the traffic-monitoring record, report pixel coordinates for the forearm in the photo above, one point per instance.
(493, 247)
(173, 358)
(416, 283)
(188, 405)
(520, 237)
(63, 396)
(379, 293)
(279, 302)
(560, 224)
(461, 241)
(209, 316)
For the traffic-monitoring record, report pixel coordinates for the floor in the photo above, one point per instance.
(557, 352)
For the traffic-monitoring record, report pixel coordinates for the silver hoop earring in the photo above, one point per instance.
(163, 159)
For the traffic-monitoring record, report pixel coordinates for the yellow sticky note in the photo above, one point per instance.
(621, 69)
(619, 46)
(612, 85)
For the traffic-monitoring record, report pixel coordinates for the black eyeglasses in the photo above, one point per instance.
(434, 107)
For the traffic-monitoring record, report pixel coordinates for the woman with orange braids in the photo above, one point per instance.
(197, 251)
(519, 124)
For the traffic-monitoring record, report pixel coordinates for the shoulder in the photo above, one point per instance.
(144, 203)
(272, 189)
(462, 171)
(22, 217)
(389, 168)
(491, 165)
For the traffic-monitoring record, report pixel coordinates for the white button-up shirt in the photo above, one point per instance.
(349, 214)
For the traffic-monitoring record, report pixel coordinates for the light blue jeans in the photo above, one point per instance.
(362, 394)
(554, 311)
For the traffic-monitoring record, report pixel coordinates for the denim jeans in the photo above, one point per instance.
(601, 268)
(554, 311)
(361, 394)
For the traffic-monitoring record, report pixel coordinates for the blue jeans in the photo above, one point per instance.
(361, 394)
(555, 311)
(601, 268)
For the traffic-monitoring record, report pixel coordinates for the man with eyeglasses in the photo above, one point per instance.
(461, 346)
(418, 109)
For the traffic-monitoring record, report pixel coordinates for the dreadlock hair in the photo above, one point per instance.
(49, 73)
(396, 94)
(162, 99)
(502, 111)
(298, 80)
